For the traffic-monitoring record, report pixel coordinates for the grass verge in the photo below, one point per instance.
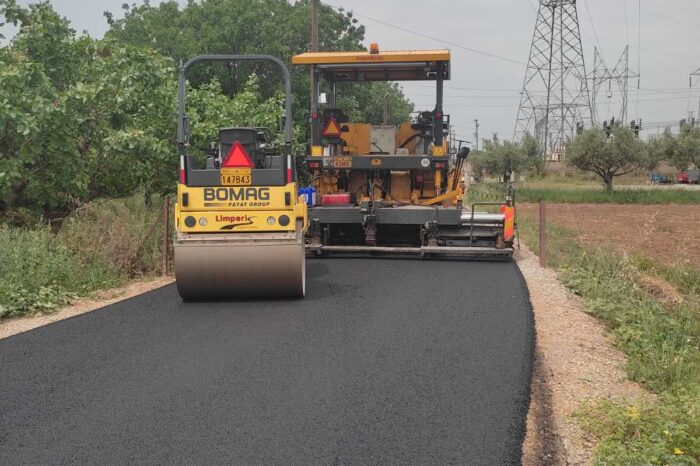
(100, 246)
(580, 196)
(661, 341)
(495, 191)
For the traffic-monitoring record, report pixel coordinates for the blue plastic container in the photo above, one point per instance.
(309, 194)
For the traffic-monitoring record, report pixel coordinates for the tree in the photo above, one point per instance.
(608, 158)
(686, 150)
(532, 153)
(105, 127)
(663, 148)
(504, 158)
(681, 150)
(209, 110)
(274, 27)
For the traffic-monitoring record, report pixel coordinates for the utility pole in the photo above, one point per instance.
(451, 146)
(385, 112)
(314, 25)
(476, 133)
(694, 74)
(314, 81)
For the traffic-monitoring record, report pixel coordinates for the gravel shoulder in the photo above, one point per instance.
(574, 361)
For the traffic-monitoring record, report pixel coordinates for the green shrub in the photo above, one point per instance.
(124, 233)
(99, 246)
(38, 273)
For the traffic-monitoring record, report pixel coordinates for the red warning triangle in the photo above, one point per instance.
(332, 130)
(238, 157)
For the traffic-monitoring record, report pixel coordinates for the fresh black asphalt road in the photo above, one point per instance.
(384, 362)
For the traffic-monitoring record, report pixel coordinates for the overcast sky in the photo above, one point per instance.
(487, 88)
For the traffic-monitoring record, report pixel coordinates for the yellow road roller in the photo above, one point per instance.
(240, 223)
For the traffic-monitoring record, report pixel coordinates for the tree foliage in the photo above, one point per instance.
(81, 118)
(273, 27)
(681, 150)
(502, 159)
(608, 158)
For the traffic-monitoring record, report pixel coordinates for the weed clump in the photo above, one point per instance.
(38, 273)
(124, 233)
(99, 246)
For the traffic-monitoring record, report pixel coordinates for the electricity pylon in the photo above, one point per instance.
(555, 102)
(694, 74)
(613, 82)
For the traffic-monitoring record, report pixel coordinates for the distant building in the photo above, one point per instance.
(557, 154)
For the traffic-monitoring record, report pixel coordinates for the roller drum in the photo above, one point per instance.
(240, 266)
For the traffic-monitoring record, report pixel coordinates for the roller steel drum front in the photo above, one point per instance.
(262, 265)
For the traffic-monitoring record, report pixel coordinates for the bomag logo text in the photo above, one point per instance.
(236, 194)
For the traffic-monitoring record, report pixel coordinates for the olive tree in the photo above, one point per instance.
(504, 158)
(686, 149)
(618, 155)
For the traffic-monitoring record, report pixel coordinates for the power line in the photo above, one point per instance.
(667, 90)
(464, 96)
(639, 54)
(624, 12)
(590, 19)
(436, 39)
(665, 53)
(480, 89)
(646, 91)
(449, 105)
(464, 126)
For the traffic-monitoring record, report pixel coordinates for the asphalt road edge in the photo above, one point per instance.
(16, 325)
(535, 392)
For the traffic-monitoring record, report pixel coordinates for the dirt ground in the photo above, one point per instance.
(666, 233)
